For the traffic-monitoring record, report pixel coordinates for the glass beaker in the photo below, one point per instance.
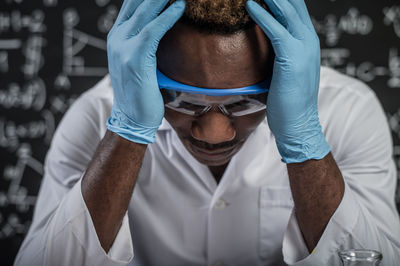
(360, 257)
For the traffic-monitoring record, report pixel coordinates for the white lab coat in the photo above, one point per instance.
(178, 215)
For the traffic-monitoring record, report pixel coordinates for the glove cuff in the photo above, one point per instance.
(298, 151)
(120, 124)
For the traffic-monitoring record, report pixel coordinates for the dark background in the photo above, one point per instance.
(51, 51)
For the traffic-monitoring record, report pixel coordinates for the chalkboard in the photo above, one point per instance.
(51, 51)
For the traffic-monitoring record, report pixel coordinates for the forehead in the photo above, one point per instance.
(213, 60)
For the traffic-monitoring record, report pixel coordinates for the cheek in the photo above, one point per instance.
(245, 125)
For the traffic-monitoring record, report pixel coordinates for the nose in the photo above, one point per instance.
(213, 127)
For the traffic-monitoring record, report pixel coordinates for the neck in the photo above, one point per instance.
(218, 171)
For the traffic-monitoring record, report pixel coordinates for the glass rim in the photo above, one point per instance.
(360, 254)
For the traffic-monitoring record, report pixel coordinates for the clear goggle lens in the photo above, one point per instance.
(198, 104)
(196, 101)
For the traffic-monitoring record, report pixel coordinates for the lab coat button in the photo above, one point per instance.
(220, 204)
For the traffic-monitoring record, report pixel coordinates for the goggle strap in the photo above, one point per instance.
(166, 83)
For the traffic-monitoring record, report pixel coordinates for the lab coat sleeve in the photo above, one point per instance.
(367, 217)
(62, 231)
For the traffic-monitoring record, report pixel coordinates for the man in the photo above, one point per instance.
(219, 186)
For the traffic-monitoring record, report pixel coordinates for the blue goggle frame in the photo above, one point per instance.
(165, 82)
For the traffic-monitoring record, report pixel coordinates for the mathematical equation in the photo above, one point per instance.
(333, 28)
(367, 71)
(16, 194)
(51, 51)
(32, 101)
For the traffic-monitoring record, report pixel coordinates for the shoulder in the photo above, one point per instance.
(83, 125)
(93, 106)
(333, 83)
(100, 93)
(343, 96)
(351, 116)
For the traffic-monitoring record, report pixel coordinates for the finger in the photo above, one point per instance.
(271, 27)
(287, 16)
(144, 14)
(301, 8)
(127, 10)
(156, 29)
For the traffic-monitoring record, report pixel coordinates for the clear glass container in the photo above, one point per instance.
(360, 257)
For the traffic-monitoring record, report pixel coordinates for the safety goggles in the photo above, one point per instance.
(196, 101)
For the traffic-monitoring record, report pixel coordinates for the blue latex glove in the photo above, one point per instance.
(138, 106)
(292, 106)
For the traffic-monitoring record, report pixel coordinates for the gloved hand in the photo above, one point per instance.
(292, 106)
(138, 106)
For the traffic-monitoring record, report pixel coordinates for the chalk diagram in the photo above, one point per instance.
(27, 95)
(32, 48)
(17, 195)
(74, 41)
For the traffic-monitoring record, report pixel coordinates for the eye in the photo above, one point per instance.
(237, 106)
(245, 107)
(192, 109)
(262, 97)
(168, 96)
(191, 106)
